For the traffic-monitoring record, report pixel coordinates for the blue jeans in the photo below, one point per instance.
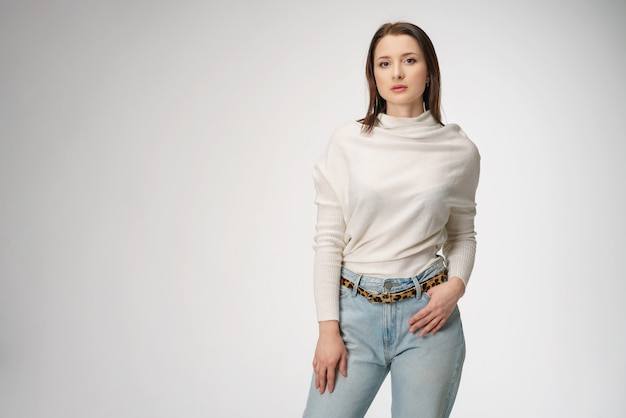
(425, 371)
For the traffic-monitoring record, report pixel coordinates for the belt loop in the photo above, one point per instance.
(418, 288)
(355, 291)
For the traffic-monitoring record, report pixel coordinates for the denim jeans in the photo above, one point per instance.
(425, 371)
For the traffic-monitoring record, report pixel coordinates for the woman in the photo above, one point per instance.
(395, 241)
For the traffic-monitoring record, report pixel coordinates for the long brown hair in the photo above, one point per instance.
(377, 104)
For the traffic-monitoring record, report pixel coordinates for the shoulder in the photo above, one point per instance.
(347, 130)
(343, 137)
(336, 151)
(462, 141)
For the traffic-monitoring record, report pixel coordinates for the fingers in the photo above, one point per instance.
(330, 380)
(325, 378)
(343, 366)
(421, 318)
(320, 380)
(325, 375)
(431, 318)
(330, 356)
(432, 327)
(320, 376)
(428, 325)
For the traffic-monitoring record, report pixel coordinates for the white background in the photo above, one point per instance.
(156, 200)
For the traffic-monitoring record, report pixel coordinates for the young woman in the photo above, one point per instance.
(395, 241)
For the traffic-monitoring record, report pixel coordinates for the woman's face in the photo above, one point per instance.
(401, 74)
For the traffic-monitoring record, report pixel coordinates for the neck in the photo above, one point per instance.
(411, 111)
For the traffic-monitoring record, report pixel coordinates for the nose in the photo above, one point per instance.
(398, 75)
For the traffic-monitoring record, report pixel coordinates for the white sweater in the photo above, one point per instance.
(389, 201)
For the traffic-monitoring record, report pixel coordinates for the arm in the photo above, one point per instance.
(329, 244)
(330, 352)
(459, 251)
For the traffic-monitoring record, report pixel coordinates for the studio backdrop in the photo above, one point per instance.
(157, 215)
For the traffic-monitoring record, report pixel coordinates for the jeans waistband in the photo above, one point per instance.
(394, 284)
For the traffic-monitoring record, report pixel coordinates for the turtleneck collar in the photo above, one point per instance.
(415, 127)
(393, 122)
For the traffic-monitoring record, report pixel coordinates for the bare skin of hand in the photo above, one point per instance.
(330, 355)
(443, 299)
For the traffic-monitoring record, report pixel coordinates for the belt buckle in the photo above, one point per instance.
(387, 296)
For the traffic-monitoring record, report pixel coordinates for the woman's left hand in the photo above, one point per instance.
(443, 299)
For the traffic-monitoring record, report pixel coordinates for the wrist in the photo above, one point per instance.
(458, 285)
(329, 327)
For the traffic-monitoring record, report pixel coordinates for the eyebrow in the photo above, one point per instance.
(403, 55)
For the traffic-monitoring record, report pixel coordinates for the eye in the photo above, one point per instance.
(383, 64)
(411, 60)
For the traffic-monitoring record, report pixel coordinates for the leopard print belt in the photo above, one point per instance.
(388, 297)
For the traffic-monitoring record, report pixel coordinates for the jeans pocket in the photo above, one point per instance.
(344, 292)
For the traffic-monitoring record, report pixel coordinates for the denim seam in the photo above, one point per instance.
(454, 386)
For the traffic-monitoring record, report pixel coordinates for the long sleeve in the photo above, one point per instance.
(460, 245)
(329, 245)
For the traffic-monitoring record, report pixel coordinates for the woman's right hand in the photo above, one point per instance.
(330, 355)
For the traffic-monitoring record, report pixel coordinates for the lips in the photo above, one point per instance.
(398, 88)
